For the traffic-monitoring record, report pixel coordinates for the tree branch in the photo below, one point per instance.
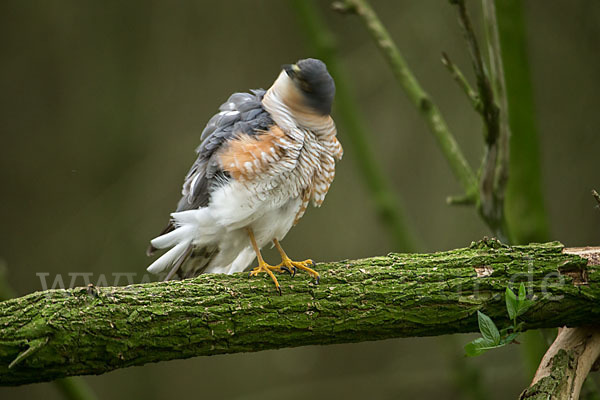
(72, 388)
(499, 87)
(567, 362)
(490, 109)
(491, 186)
(488, 191)
(596, 197)
(98, 329)
(415, 92)
(566, 365)
(460, 78)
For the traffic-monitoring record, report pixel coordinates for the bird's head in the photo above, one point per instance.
(311, 85)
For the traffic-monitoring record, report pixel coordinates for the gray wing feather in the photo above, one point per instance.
(241, 113)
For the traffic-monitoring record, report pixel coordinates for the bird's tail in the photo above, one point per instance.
(182, 240)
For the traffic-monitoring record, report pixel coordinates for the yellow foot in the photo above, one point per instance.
(264, 267)
(292, 266)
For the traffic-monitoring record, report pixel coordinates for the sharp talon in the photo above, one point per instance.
(293, 266)
(318, 279)
(279, 290)
(285, 269)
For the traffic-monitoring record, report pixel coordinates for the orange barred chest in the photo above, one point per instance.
(247, 157)
(299, 165)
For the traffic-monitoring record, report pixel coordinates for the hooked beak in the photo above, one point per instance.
(291, 69)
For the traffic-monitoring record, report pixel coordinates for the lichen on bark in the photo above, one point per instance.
(94, 331)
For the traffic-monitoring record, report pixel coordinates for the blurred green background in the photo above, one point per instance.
(102, 105)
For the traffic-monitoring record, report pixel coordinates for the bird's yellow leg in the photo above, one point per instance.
(262, 265)
(292, 266)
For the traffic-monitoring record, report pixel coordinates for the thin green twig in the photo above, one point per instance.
(499, 86)
(460, 78)
(348, 115)
(491, 195)
(482, 191)
(415, 93)
(490, 109)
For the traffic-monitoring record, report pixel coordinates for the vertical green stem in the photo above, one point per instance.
(525, 205)
(499, 87)
(491, 195)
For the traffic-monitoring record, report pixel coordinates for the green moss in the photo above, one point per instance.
(398, 295)
(555, 385)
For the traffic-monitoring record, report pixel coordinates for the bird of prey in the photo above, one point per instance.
(262, 159)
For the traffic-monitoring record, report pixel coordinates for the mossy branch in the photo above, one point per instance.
(98, 329)
(72, 388)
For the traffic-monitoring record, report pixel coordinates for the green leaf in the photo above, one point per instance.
(512, 304)
(524, 306)
(519, 326)
(504, 331)
(475, 348)
(523, 303)
(509, 339)
(479, 346)
(522, 292)
(488, 329)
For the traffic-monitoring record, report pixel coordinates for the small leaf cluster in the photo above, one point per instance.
(491, 337)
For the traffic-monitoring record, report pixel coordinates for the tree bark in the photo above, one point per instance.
(58, 333)
(565, 365)
(570, 358)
